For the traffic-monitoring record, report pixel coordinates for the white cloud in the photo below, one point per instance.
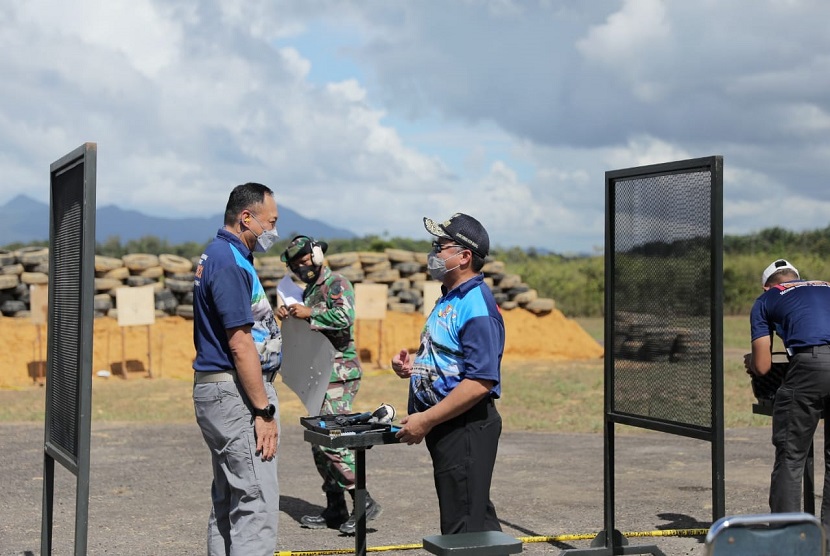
(807, 119)
(136, 30)
(627, 43)
(642, 151)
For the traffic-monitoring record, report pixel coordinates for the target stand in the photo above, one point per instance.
(327, 431)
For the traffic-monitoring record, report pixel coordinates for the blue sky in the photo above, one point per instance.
(371, 114)
(327, 46)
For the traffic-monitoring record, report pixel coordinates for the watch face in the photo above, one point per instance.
(270, 410)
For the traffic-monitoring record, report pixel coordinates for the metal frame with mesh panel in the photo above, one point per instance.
(663, 315)
(70, 326)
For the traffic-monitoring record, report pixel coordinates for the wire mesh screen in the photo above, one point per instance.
(64, 348)
(69, 351)
(662, 296)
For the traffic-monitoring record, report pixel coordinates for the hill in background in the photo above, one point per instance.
(24, 220)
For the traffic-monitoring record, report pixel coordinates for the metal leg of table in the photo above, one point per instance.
(360, 502)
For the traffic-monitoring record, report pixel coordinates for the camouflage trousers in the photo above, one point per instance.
(336, 465)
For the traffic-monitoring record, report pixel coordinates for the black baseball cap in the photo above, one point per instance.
(462, 229)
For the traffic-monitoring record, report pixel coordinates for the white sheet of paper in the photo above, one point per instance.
(289, 292)
(307, 359)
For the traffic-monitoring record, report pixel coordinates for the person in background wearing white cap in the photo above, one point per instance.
(799, 311)
(456, 376)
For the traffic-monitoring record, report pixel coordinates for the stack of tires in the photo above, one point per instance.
(646, 337)
(111, 274)
(178, 281)
(171, 276)
(18, 270)
(405, 273)
(511, 292)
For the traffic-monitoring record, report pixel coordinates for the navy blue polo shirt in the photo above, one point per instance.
(798, 310)
(227, 294)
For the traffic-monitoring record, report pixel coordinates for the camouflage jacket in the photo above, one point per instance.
(331, 299)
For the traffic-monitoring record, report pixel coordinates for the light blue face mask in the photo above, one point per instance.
(437, 266)
(266, 239)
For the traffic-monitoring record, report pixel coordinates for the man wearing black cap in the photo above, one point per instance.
(456, 376)
(799, 312)
(328, 305)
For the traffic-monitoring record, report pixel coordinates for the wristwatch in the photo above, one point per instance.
(266, 412)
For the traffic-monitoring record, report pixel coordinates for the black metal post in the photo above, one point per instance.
(360, 501)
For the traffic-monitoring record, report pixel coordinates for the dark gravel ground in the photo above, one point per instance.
(149, 491)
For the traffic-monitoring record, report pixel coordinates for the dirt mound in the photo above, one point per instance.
(166, 348)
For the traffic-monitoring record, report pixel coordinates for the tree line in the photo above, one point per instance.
(577, 283)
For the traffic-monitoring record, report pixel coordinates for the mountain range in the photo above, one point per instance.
(23, 220)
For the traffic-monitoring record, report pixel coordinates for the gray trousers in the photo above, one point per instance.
(797, 410)
(245, 492)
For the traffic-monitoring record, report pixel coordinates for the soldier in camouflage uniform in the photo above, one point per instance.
(328, 304)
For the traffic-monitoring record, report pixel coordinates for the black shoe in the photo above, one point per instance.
(335, 514)
(313, 522)
(373, 511)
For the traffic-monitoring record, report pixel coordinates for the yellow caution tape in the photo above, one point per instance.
(347, 550)
(590, 536)
(558, 538)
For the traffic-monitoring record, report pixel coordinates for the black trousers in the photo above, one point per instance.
(797, 410)
(463, 453)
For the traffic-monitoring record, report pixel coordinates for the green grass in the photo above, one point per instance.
(552, 396)
(113, 399)
(595, 326)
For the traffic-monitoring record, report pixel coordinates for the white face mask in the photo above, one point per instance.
(437, 266)
(266, 239)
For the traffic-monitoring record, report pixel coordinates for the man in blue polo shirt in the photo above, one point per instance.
(456, 376)
(799, 312)
(238, 353)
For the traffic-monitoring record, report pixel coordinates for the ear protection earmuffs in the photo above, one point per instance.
(317, 255)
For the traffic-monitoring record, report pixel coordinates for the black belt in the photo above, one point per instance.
(814, 350)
